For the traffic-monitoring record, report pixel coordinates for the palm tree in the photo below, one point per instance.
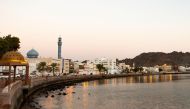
(100, 67)
(41, 67)
(126, 70)
(53, 68)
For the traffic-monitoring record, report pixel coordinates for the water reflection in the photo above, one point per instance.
(69, 98)
(125, 93)
(48, 104)
(136, 79)
(85, 96)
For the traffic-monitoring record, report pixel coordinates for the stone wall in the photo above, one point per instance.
(11, 96)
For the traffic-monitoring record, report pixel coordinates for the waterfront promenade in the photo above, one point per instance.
(13, 95)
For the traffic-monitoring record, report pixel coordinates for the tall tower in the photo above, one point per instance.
(59, 47)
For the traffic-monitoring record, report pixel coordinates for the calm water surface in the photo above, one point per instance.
(143, 92)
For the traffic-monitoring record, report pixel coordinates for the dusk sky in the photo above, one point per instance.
(98, 28)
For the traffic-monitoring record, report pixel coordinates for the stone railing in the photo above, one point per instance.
(45, 80)
(3, 83)
(10, 94)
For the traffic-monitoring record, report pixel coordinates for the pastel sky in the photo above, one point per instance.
(98, 28)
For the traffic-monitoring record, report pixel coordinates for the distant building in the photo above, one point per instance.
(68, 66)
(150, 69)
(109, 64)
(166, 68)
(123, 66)
(34, 59)
(90, 68)
(184, 69)
(76, 67)
(81, 69)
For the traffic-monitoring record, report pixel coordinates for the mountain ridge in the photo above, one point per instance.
(151, 59)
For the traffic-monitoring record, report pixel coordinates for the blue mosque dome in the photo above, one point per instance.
(32, 54)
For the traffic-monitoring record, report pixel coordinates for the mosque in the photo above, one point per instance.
(34, 59)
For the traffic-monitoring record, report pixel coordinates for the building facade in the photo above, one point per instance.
(109, 64)
(68, 66)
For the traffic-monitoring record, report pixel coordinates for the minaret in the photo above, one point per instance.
(59, 47)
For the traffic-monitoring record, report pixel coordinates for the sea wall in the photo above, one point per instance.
(11, 96)
(14, 95)
(41, 83)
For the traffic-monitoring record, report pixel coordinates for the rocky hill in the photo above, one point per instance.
(159, 58)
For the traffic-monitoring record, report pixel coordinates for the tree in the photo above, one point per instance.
(100, 67)
(3, 47)
(13, 42)
(160, 70)
(126, 70)
(9, 43)
(141, 69)
(42, 67)
(53, 68)
(136, 69)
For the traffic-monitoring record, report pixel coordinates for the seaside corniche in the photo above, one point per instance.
(46, 84)
(57, 85)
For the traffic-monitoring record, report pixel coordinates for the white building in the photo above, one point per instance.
(85, 68)
(109, 64)
(76, 66)
(68, 66)
(150, 69)
(184, 69)
(123, 66)
(88, 67)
